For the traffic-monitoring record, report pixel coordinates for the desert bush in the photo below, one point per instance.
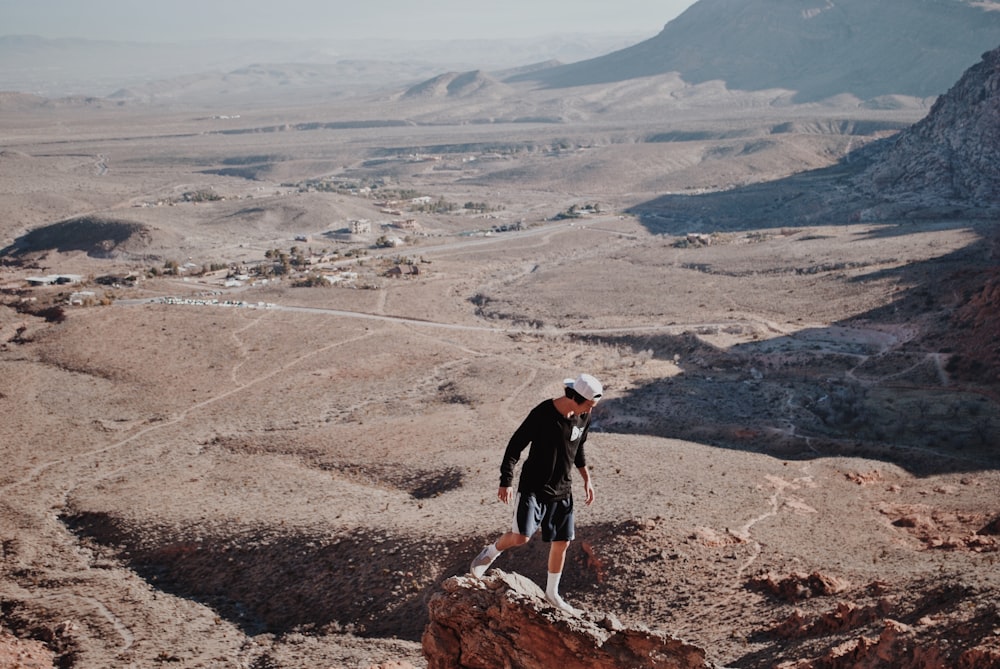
(201, 196)
(311, 281)
(52, 314)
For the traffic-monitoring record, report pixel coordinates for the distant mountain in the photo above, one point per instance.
(264, 81)
(60, 67)
(818, 48)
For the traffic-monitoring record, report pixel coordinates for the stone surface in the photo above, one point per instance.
(504, 621)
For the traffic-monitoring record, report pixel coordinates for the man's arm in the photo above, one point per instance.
(588, 487)
(518, 442)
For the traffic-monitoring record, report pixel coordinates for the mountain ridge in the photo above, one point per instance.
(822, 49)
(70, 66)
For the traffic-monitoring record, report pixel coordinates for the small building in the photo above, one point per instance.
(117, 281)
(54, 279)
(361, 227)
(82, 297)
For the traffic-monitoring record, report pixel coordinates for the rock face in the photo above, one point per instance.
(819, 48)
(952, 156)
(504, 621)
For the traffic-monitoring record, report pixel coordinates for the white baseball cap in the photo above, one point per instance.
(587, 386)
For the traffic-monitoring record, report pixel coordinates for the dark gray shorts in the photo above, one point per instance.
(555, 518)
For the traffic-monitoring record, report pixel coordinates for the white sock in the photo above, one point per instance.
(552, 585)
(492, 551)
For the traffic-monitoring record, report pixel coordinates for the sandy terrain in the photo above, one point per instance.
(278, 476)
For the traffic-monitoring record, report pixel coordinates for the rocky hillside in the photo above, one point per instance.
(819, 48)
(944, 168)
(98, 237)
(952, 157)
(947, 165)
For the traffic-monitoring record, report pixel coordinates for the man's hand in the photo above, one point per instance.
(505, 495)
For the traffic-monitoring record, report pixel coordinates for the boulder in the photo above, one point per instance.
(504, 621)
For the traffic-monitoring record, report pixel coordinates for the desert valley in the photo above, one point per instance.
(263, 344)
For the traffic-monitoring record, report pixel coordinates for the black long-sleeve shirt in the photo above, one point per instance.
(556, 447)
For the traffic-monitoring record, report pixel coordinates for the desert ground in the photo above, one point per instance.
(218, 465)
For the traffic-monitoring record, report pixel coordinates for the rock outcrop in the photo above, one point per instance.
(504, 621)
(799, 586)
(900, 646)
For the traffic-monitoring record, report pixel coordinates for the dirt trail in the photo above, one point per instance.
(779, 501)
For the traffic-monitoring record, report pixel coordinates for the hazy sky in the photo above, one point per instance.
(173, 20)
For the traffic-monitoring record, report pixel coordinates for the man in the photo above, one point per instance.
(556, 429)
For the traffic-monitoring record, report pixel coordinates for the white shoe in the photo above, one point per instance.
(482, 563)
(558, 602)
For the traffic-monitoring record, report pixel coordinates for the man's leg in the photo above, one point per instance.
(557, 556)
(492, 552)
(527, 515)
(561, 531)
(557, 560)
(511, 540)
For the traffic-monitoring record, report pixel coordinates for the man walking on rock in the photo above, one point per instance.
(556, 430)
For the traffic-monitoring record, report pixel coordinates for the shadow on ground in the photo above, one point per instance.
(271, 580)
(374, 584)
(929, 403)
(926, 399)
(367, 581)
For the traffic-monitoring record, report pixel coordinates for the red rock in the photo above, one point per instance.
(504, 621)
